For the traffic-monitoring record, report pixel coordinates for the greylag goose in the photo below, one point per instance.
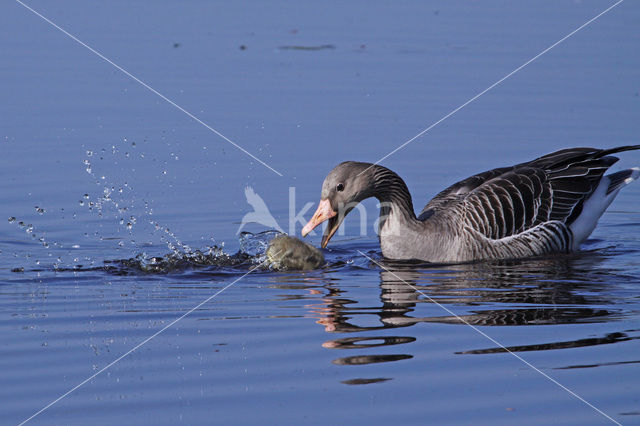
(547, 205)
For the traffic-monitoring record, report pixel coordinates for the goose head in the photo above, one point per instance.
(344, 187)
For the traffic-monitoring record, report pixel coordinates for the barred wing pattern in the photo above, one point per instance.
(535, 201)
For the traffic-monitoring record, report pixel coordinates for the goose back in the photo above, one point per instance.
(509, 201)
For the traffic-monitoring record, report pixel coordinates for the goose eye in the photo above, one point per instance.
(340, 187)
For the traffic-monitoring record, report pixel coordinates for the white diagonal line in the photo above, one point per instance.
(139, 345)
(492, 340)
(497, 83)
(146, 86)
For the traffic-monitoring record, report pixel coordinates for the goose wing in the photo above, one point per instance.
(508, 201)
(458, 190)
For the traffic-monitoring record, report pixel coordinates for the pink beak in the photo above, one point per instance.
(324, 212)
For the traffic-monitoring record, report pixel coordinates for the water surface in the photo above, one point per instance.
(97, 169)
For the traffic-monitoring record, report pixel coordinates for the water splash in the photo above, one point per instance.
(41, 237)
(213, 257)
(112, 199)
(256, 244)
(252, 252)
(133, 218)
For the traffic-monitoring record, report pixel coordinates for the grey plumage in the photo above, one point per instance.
(547, 205)
(285, 252)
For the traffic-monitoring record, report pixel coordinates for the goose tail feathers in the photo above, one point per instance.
(598, 202)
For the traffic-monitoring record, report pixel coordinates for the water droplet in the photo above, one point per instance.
(86, 196)
(12, 219)
(129, 225)
(81, 202)
(40, 210)
(89, 153)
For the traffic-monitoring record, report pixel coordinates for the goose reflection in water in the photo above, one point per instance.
(565, 290)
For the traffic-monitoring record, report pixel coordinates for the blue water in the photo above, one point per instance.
(96, 168)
